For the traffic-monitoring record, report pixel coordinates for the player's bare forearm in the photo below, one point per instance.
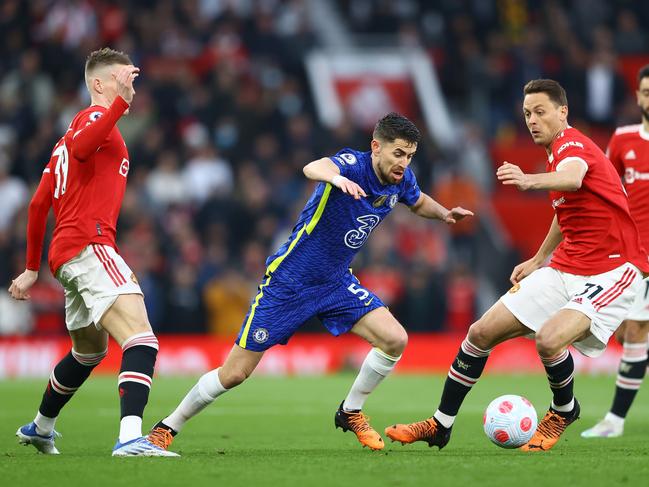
(326, 171)
(568, 178)
(556, 181)
(321, 170)
(552, 239)
(427, 207)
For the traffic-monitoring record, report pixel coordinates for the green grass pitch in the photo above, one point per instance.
(279, 431)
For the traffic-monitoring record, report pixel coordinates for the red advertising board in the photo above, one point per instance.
(306, 354)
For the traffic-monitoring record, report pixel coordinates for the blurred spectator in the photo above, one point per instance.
(13, 194)
(227, 299)
(458, 190)
(16, 317)
(165, 184)
(206, 174)
(423, 307)
(30, 84)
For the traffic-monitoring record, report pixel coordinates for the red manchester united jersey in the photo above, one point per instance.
(88, 171)
(598, 232)
(628, 150)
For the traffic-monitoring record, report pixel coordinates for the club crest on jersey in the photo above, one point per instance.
(94, 116)
(348, 158)
(123, 168)
(379, 201)
(260, 335)
(393, 200)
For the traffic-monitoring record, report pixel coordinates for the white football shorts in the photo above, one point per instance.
(640, 309)
(605, 298)
(92, 281)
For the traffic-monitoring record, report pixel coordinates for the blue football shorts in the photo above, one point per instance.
(282, 305)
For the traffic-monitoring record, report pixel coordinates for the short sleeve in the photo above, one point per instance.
(347, 161)
(613, 154)
(572, 150)
(410, 191)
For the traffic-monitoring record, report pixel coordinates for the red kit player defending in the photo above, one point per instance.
(583, 295)
(84, 182)
(628, 150)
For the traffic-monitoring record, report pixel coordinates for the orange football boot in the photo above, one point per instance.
(550, 429)
(161, 437)
(357, 422)
(428, 430)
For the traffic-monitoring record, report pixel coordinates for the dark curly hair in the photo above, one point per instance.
(395, 126)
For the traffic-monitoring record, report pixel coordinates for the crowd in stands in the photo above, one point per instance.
(223, 122)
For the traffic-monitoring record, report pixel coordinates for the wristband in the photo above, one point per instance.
(337, 179)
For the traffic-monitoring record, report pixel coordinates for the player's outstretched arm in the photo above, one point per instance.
(84, 142)
(568, 176)
(552, 239)
(39, 207)
(326, 171)
(427, 207)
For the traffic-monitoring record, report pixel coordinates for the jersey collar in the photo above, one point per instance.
(643, 133)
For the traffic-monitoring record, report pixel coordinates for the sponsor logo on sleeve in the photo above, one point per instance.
(558, 202)
(94, 116)
(571, 143)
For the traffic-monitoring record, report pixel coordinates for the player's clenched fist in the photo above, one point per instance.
(510, 174)
(348, 186)
(21, 285)
(124, 76)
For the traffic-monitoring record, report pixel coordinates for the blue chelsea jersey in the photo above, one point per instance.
(333, 226)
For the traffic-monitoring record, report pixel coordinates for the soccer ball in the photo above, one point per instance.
(510, 421)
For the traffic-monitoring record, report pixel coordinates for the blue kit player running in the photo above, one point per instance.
(310, 276)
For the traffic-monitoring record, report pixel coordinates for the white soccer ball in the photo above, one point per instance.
(510, 421)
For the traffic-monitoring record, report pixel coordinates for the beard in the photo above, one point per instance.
(645, 114)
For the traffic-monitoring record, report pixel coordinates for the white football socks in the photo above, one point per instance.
(130, 428)
(565, 408)
(206, 390)
(376, 366)
(44, 425)
(614, 419)
(444, 419)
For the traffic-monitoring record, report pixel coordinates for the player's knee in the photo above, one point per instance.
(395, 343)
(480, 335)
(232, 378)
(636, 332)
(546, 345)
